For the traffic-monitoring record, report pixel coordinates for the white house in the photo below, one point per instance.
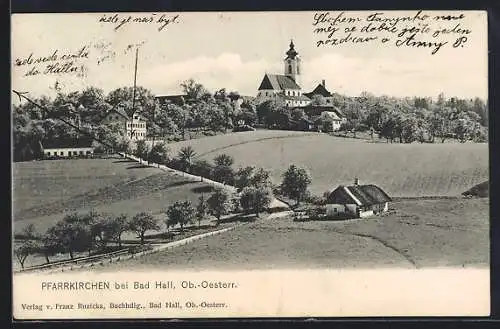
(331, 121)
(134, 126)
(357, 201)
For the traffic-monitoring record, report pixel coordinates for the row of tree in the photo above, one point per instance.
(198, 109)
(403, 120)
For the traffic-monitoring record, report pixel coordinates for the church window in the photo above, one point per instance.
(290, 68)
(298, 69)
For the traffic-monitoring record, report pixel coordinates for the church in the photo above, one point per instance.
(286, 86)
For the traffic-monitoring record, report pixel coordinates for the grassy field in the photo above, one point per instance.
(44, 191)
(416, 234)
(401, 169)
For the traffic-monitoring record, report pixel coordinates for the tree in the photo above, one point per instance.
(243, 177)
(201, 209)
(158, 153)
(143, 222)
(28, 245)
(217, 119)
(222, 171)
(220, 203)
(318, 100)
(180, 115)
(264, 109)
(193, 90)
(261, 178)
(114, 227)
(145, 102)
(72, 234)
(142, 150)
(186, 157)
(181, 212)
(24, 250)
(202, 168)
(256, 198)
(295, 183)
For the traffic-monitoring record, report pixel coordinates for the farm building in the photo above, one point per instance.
(134, 126)
(357, 201)
(67, 149)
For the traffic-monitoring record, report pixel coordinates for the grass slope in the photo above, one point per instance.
(405, 170)
(44, 191)
(417, 234)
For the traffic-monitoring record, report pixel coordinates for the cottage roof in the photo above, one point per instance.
(315, 110)
(362, 195)
(119, 109)
(278, 82)
(330, 115)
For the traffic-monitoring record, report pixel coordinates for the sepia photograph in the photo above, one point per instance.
(148, 145)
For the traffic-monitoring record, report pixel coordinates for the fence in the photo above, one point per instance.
(73, 261)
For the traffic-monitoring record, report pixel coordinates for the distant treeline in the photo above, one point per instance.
(396, 119)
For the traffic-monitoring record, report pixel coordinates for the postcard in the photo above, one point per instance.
(250, 164)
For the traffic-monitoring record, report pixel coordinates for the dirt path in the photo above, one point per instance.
(383, 243)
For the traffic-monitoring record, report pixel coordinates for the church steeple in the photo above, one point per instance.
(291, 53)
(292, 64)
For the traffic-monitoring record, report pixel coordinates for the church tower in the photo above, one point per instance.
(292, 64)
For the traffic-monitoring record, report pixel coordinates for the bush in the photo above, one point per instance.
(202, 168)
(316, 212)
(174, 163)
(315, 200)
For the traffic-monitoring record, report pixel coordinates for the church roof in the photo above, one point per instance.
(278, 82)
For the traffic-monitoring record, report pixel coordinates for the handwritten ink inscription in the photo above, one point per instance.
(55, 62)
(63, 62)
(418, 30)
(121, 20)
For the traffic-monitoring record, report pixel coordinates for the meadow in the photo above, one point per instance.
(415, 234)
(44, 191)
(402, 170)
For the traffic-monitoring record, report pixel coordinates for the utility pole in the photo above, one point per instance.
(135, 86)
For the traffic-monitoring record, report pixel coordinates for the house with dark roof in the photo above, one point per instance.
(175, 99)
(357, 201)
(319, 90)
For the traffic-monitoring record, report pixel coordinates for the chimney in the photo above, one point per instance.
(356, 181)
(323, 83)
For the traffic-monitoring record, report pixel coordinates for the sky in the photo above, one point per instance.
(234, 51)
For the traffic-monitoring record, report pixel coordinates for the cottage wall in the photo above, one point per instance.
(68, 152)
(335, 209)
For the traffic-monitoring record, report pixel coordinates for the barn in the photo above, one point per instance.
(357, 201)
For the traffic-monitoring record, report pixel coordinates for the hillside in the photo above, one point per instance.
(415, 234)
(481, 190)
(44, 191)
(405, 170)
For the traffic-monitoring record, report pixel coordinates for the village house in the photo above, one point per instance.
(357, 201)
(81, 147)
(134, 126)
